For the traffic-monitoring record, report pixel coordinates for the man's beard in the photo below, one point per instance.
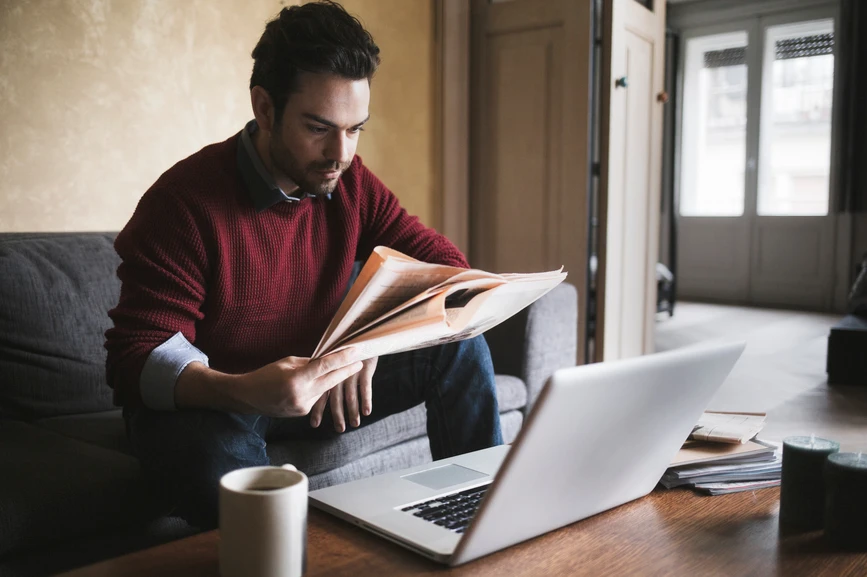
(306, 178)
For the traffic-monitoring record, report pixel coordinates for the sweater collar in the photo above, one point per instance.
(261, 186)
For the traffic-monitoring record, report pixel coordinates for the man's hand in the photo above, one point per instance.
(290, 387)
(285, 388)
(355, 393)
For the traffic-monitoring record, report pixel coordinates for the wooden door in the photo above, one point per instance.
(631, 162)
(529, 138)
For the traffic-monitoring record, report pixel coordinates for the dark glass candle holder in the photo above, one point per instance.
(846, 501)
(802, 487)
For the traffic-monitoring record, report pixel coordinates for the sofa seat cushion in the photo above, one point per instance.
(317, 456)
(55, 293)
(106, 429)
(511, 393)
(408, 454)
(55, 488)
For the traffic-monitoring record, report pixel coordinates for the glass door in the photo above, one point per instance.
(755, 212)
(715, 126)
(797, 101)
(714, 223)
(792, 252)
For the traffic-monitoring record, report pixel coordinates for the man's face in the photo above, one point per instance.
(317, 136)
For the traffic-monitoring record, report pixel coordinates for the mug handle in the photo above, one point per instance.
(290, 467)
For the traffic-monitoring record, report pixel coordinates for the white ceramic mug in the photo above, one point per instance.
(263, 522)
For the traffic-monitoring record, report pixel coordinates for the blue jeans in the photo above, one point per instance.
(183, 454)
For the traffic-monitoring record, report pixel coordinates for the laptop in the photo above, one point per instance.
(599, 435)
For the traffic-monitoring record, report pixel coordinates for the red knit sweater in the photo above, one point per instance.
(246, 288)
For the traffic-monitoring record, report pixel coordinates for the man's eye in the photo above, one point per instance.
(317, 129)
(356, 129)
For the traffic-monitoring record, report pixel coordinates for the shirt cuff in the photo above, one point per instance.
(162, 369)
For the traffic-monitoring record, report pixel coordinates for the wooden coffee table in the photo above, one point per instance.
(666, 533)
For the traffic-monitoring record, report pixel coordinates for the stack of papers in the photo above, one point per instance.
(718, 468)
(695, 452)
(735, 487)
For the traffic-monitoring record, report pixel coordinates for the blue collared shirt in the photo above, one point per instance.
(260, 183)
(166, 362)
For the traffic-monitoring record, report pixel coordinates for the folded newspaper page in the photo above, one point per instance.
(398, 304)
(722, 427)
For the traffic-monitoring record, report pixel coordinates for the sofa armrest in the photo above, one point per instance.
(537, 341)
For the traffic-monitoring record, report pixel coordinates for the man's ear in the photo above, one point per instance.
(263, 108)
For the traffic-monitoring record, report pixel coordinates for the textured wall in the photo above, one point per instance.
(99, 97)
(398, 142)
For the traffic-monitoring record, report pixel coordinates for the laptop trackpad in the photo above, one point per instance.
(445, 476)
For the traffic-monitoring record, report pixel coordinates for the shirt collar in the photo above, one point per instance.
(260, 183)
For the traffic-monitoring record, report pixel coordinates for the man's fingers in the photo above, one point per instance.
(319, 409)
(330, 380)
(365, 385)
(336, 403)
(350, 394)
(330, 363)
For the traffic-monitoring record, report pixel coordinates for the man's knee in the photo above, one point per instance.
(474, 350)
(472, 358)
(183, 456)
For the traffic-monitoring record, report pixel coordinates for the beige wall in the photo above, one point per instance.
(398, 142)
(99, 97)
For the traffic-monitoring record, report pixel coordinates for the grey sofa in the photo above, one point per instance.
(70, 490)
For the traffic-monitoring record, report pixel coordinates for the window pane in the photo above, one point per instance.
(713, 154)
(797, 96)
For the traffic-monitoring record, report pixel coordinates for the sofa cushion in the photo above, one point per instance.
(55, 293)
(55, 488)
(106, 429)
(408, 454)
(511, 393)
(317, 456)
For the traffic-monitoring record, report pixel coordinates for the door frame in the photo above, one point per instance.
(621, 15)
(452, 133)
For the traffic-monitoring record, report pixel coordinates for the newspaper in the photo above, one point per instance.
(398, 304)
(723, 427)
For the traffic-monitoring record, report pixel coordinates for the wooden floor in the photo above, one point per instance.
(782, 370)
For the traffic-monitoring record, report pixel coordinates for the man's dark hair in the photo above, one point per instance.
(319, 37)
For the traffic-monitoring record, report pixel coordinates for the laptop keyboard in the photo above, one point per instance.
(454, 512)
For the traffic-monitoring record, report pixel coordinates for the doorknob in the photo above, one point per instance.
(621, 82)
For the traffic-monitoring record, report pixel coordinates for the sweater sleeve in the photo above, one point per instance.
(385, 222)
(163, 274)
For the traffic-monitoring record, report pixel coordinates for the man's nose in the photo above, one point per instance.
(339, 149)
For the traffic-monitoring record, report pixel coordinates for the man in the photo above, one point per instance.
(237, 258)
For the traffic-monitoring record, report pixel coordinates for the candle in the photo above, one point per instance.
(846, 500)
(802, 487)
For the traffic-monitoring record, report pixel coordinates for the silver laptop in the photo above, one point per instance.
(599, 436)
